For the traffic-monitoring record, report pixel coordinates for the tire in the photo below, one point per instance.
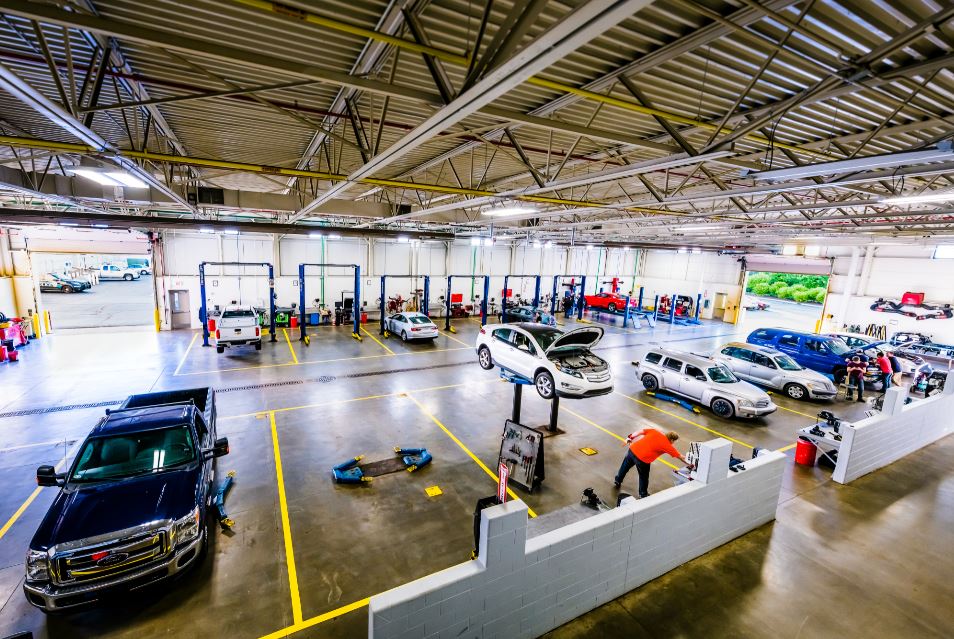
(68, 289)
(403, 336)
(795, 391)
(219, 349)
(128, 277)
(545, 385)
(258, 346)
(723, 408)
(650, 382)
(484, 359)
(840, 374)
(144, 272)
(611, 307)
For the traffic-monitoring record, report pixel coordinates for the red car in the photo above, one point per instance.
(611, 302)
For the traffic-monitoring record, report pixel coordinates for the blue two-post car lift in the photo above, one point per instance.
(204, 311)
(483, 302)
(536, 293)
(355, 331)
(425, 303)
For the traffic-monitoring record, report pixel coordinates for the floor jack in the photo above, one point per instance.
(410, 459)
(675, 400)
(224, 520)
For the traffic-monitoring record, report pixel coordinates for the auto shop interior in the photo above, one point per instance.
(476, 319)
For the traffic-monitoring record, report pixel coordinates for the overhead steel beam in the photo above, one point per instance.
(576, 29)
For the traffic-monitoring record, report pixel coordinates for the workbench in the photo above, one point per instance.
(827, 443)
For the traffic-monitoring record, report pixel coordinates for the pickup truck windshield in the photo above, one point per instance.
(129, 454)
(238, 313)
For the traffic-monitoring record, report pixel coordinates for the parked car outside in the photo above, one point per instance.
(55, 283)
(767, 367)
(238, 326)
(113, 272)
(558, 363)
(526, 313)
(703, 380)
(411, 325)
(612, 302)
(818, 352)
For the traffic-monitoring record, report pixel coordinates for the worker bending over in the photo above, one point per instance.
(644, 447)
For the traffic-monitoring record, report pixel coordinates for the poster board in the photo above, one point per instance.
(521, 450)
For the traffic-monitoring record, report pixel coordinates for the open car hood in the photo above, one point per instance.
(587, 338)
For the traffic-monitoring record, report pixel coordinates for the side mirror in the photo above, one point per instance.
(221, 447)
(47, 476)
(701, 378)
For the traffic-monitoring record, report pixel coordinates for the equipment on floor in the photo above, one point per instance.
(506, 294)
(457, 298)
(483, 502)
(571, 301)
(424, 301)
(675, 400)
(942, 311)
(204, 312)
(352, 471)
(224, 520)
(679, 310)
(347, 310)
(590, 499)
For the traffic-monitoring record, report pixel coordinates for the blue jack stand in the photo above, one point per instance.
(348, 472)
(224, 520)
(414, 458)
(675, 400)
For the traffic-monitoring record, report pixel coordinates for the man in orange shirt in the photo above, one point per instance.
(644, 447)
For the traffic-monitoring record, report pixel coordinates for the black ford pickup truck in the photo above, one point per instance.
(132, 508)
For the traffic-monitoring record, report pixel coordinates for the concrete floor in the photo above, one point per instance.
(845, 560)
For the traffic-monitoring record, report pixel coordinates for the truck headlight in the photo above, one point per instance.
(744, 403)
(37, 566)
(187, 528)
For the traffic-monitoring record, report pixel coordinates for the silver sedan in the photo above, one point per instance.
(410, 325)
(769, 367)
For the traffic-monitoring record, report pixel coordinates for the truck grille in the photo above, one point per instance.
(112, 558)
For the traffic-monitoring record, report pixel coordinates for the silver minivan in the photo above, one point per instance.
(774, 369)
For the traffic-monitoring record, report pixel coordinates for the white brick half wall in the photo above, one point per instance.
(524, 588)
(896, 432)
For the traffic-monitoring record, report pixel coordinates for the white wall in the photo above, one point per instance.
(671, 272)
(8, 303)
(896, 432)
(521, 587)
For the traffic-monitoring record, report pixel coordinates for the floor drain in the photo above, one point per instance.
(326, 379)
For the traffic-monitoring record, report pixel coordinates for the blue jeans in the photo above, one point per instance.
(642, 468)
(886, 380)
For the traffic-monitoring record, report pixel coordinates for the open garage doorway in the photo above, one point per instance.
(791, 295)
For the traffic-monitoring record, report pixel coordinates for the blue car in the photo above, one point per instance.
(529, 314)
(821, 353)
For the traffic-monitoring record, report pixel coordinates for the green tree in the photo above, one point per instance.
(784, 292)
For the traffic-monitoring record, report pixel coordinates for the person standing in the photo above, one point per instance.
(644, 447)
(896, 370)
(884, 365)
(856, 377)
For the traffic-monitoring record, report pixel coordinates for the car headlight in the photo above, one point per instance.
(744, 403)
(37, 566)
(187, 528)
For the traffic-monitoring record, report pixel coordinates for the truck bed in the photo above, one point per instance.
(203, 398)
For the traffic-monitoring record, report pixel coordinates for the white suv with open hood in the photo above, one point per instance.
(703, 380)
(559, 364)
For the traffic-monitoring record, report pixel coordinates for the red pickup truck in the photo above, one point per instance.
(611, 302)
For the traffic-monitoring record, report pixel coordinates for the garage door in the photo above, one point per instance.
(784, 264)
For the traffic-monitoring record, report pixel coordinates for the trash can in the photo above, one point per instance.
(805, 452)
(364, 318)
(293, 322)
(211, 324)
(13, 355)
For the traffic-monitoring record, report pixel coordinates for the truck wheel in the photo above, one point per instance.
(723, 408)
(258, 346)
(484, 359)
(650, 382)
(611, 307)
(128, 277)
(544, 384)
(219, 349)
(795, 391)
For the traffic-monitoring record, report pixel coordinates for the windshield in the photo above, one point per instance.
(786, 363)
(838, 347)
(240, 312)
(417, 319)
(129, 454)
(545, 336)
(721, 375)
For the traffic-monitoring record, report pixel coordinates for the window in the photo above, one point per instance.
(837, 347)
(419, 319)
(523, 343)
(653, 358)
(722, 375)
(673, 363)
(238, 312)
(762, 360)
(129, 454)
(731, 351)
(692, 371)
(944, 252)
(544, 335)
(745, 355)
(398, 318)
(786, 363)
(788, 340)
(503, 334)
(762, 334)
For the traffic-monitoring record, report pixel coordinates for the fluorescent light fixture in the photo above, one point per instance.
(206, 229)
(508, 210)
(127, 180)
(696, 251)
(488, 241)
(537, 245)
(231, 231)
(626, 248)
(101, 226)
(690, 228)
(334, 236)
(589, 247)
(887, 160)
(548, 245)
(315, 234)
(68, 224)
(789, 249)
(812, 251)
(683, 250)
(944, 252)
(95, 176)
(403, 239)
(919, 199)
(475, 241)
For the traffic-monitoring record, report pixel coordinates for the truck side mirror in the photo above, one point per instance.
(221, 447)
(47, 476)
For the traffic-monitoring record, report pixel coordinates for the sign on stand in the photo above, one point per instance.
(502, 474)
(521, 451)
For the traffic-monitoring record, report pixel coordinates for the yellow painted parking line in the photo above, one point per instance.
(785, 448)
(379, 342)
(612, 434)
(36, 492)
(683, 419)
(789, 410)
(290, 349)
(449, 336)
(464, 448)
(186, 354)
(286, 527)
(314, 621)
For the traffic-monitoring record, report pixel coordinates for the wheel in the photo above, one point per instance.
(67, 288)
(258, 346)
(128, 277)
(840, 375)
(611, 307)
(144, 272)
(544, 384)
(795, 391)
(403, 336)
(723, 408)
(650, 382)
(484, 359)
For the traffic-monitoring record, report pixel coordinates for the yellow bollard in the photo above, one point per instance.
(158, 323)
(46, 322)
(36, 326)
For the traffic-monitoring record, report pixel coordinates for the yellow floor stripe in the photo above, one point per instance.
(195, 336)
(612, 434)
(379, 342)
(785, 448)
(683, 419)
(789, 410)
(449, 336)
(464, 448)
(286, 526)
(29, 500)
(314, 621)
(290, 349)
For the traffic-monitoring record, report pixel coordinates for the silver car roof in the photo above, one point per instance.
(764, 350)
(688, 358)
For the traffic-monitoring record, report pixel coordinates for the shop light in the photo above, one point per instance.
(683, 250)
(475, 241)
(315, 234)
(920, 199)
(509, 210)
(127, 180)
(488, 241)
(548, 245)
(626, 248)
(537, 245)
(334, 236)
(101, 226)
(403, 239)
(206, 229)
(231, 231)
(789, 249)
(589, 247)
(696, 251)
(95, 176)
(68, 224)
(887, 160)
(812, 251)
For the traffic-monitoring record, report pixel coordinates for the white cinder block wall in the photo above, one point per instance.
(524, 588)
(900, 430)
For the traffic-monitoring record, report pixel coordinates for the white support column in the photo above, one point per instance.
(849, 289)
(862, 288)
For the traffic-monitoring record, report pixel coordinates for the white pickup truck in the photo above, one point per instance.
(238, 326)
(113, 272)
